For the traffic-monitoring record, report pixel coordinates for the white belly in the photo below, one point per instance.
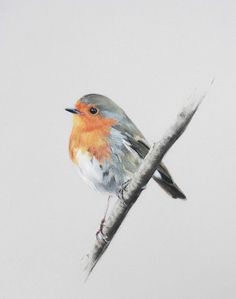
(97, 176)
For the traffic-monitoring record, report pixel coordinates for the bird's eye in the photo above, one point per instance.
(93, 110)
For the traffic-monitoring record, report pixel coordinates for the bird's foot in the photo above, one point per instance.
(100, 234)
(122, 189)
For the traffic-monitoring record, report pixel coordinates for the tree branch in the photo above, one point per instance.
(139, 180)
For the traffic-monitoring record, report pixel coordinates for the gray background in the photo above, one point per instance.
(149, 57)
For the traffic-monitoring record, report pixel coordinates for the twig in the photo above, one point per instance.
(139, 181)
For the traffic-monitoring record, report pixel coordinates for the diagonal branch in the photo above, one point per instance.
(139, 180)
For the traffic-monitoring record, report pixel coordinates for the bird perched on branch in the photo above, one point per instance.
(108, 148)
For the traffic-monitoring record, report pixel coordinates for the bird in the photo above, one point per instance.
(107, 147)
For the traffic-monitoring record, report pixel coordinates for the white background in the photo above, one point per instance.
(148, 57)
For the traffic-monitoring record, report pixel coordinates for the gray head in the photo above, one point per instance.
(99, 105)
(106, 106)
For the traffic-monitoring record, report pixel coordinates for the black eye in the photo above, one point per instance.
(93, 110)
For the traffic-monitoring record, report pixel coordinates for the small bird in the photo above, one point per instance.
(108, 148)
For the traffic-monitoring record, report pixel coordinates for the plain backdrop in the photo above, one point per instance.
(148, 56)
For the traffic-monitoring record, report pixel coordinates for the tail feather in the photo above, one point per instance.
(164, 179)
(171, 189)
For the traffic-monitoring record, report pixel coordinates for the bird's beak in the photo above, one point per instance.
(73, 110)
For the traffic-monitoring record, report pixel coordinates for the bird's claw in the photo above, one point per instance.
(122, 189)
(101, 237)
(99, 234)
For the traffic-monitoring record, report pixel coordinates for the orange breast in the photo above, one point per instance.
(90, 134)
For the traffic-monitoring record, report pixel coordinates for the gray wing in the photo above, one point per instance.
(134, 148)
(136, 142)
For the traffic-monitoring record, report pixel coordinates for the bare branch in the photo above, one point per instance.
(139, 181)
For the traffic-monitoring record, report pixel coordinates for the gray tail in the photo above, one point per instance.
(164, 179)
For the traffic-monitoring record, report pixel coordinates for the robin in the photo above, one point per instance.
(108, 148)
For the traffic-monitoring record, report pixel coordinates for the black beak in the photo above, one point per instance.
(72, 110)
